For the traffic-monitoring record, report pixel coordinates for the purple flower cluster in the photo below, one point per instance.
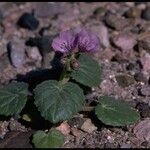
(84, 40)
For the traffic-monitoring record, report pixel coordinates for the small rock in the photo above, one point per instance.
(115, 22)
(124, 145)
(142, 130)
(44, 45)
(145, 144)
(109, 145)
(76, 132)
(133, 12)
(141, 6)
(14, 125)
(145, 61)
(17, 52)
(3, 128)
(124, 80)
(130, 4)
(17, 139)
(88, 126)
(99, 12)
(134, 66)
(64, 128)
(103, 35)
(144, 44)
(146, 14)
(76, 122)
(27, 20)
(34, 54)
(145, 90)
(137, 29)
(144, 110)
(124, 41)
(140, 77)
(50, 9)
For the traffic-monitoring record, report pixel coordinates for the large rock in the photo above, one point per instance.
(16, 48)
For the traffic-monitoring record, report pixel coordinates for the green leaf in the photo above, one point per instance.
(114, 112)
(53, 139)
(89, 72)
(13, 98)
(58, 102)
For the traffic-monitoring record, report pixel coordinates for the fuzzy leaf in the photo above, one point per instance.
(89, 72)
(13, 98)
(114, 112)
(53, 139)
(58, 102)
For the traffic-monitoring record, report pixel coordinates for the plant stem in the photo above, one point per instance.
(63, 77)
(88, 108)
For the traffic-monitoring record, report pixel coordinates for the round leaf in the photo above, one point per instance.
(58, 102)
(53, 139)
(89, 72)
(13, 98)
(114, 112)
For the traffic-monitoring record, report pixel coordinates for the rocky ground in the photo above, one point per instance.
(26, 32)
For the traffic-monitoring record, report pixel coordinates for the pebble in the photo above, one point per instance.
(104, 36)
(133, 12)
(145, 90)
(50, 9)
(124, 145)
(99, 12)
(34, 54)
(144, 44)
(3, 128)
(124, 80)
(140, 77)
(88, 126)
(146, 14)
(14, 125)
(17, 52)
(124, 41)
(115, 22)
(145, 61)
(28, 21)
(76, 132)
(142, 130)
(64, 128)
(144, 110)
(130, 4)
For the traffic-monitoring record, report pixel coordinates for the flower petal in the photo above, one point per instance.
(87, 41)
(59, 45)
(65, 42)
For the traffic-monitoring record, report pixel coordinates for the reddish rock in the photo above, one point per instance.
(124, 41)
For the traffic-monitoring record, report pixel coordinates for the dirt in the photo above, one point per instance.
(124, 31)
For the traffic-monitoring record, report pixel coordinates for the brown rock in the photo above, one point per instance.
(88, 126)
(64, 128)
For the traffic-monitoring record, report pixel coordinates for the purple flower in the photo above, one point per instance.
(87, 41)
(65, 42)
